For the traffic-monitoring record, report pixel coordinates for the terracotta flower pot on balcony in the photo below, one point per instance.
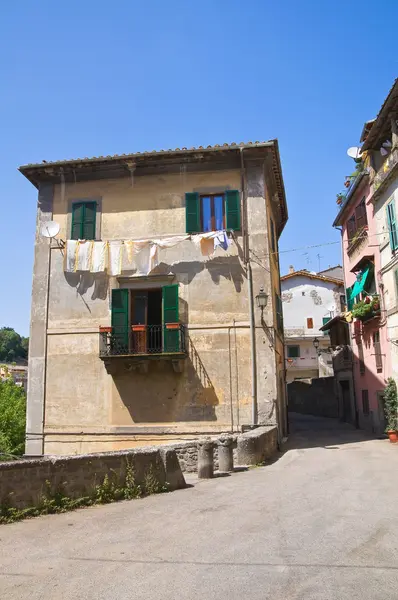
(392, 436)
(172, 325)
(138, 327)
(105, 329)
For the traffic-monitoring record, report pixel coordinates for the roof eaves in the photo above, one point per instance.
(383, 112)
(311, 276)
(148, 154)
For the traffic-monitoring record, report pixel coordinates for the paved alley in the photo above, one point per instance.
(319, 523)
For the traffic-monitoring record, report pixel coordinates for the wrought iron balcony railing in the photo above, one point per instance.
(140, 340)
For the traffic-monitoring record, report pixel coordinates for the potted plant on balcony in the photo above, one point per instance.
(366, 309)
(105, 329)
(339, 198)
(138, 327)
(391, 409)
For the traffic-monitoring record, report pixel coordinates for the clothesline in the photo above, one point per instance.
(115, 256)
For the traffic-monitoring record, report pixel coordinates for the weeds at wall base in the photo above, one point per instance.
(110, 490)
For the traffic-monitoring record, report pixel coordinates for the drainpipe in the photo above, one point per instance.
(246, 256)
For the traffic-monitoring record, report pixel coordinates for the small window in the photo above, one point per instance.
(279, 312)
(377, 351)
(310, 323)
(342, 303)
(365, 403)
(212, 212)
(361, 358)
(303, 293)
(392, 225)
(83, 220)
(293, 351)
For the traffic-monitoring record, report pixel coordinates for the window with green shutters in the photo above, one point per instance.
(83, 220)
(324, 321)
(120, 318)
(171, 339)
(392, 225)
(212, 212)
(293, 351)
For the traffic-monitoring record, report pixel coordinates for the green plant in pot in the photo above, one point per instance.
(391, 409)
(365, 309)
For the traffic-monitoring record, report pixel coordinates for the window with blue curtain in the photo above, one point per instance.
(212, 212)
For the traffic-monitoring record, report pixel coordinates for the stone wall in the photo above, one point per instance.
(313, 397)
(23, 483)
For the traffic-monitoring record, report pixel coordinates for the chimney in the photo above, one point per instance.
(291, 269)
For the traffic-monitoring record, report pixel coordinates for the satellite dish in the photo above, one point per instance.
(354, 152)
(49, 229)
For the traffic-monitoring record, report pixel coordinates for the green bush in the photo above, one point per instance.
(391, 405)
(12, 418)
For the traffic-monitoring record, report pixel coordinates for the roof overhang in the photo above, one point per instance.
(381, 127)
(363, 262)
(312, 276)
(164, 161)
(334, 321)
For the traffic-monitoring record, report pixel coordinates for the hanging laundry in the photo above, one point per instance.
(129, 247)
(115, 257)
(70, 256)
(142, 256)
(98, 257)
(83, 260)
(170, 242)
(222, 240)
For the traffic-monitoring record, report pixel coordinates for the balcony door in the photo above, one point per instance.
(146, 320)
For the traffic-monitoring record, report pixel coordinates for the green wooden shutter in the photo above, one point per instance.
(90, 209)
(120, 320)
(232, 202)
(396, 286)
(192, 212)
(77, 220)
(171, 340)
(392, 225)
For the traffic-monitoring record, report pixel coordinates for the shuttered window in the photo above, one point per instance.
(212, 212)
(310, 323)
(279, 312)
(377, 351)
(83, 220)
(361, 358)
(365, 403)
(293, 351)
(392, 225)
(120, 319)
(360, 214)
(170, 315)
(351, 227)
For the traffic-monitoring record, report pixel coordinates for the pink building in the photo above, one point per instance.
(362, 400)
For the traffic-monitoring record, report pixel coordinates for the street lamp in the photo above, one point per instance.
(315, 343)
(262, 299)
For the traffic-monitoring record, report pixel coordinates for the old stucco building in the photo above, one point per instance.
(127, 357)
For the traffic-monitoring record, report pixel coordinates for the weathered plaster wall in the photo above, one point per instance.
(86, 409)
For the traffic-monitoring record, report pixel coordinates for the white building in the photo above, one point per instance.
(309, 301)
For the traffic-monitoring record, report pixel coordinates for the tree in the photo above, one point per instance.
(12, 418)
(13, 347)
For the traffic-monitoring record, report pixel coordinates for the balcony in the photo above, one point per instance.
(384, 174)
(138, 344)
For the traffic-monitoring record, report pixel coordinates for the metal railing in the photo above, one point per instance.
(169, 338)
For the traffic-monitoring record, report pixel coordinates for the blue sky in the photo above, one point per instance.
(93, 77)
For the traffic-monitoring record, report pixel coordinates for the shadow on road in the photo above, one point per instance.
(307, 431)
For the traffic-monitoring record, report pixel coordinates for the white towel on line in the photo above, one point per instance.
(98, 257)
(70, 256)
(83, 254)
(115, 257)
